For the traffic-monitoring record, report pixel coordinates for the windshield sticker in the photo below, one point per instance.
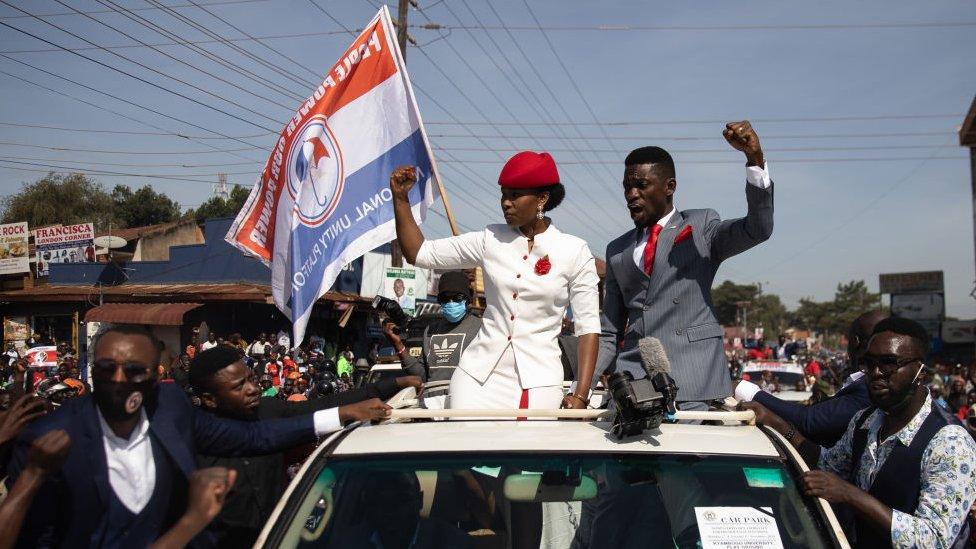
(758, 477)
(736, 527)
(489, 471)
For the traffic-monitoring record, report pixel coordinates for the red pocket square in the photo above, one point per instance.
(685, 234)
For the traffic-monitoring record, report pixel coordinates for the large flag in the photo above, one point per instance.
(323, 199)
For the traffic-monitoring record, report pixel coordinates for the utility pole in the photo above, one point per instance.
(396, 254)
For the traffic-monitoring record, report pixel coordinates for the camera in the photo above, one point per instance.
(641, 404)
(391, 309)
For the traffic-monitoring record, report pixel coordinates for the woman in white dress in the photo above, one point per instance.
(532, 273)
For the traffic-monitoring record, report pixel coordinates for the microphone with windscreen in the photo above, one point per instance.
(658, 368)
(642, 404)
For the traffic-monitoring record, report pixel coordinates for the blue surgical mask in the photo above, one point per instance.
(454, 311)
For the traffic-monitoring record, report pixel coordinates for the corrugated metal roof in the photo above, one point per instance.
(153, 314)
(244, 291)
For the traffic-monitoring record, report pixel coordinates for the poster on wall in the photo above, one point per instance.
(64, 244)
(15, 328)
(14, 257)
(400, 285)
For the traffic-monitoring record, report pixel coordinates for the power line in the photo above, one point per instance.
(854, 118)
(220, 3)
(778, 160)
(717, 137)
(105, 151)
(74, 169)
(162, 31)
(130, 75)
(123, 100)
(720, 151)
(180, 61)
(621, 28)
(120, 132)
(131, 164)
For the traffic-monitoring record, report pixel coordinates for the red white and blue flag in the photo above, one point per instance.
(323, 199)
(44, 356)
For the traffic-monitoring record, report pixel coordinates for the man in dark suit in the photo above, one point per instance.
(826, 421)
(133, 445)
(226, 387)
(659, 275)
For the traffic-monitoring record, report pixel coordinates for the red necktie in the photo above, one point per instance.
(650, 248)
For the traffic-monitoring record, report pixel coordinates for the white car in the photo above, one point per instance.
(480, 483)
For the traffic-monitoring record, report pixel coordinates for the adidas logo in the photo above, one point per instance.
(445, 349)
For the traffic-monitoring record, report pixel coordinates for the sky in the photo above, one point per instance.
(857, 106)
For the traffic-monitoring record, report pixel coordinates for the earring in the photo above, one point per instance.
(538, 214)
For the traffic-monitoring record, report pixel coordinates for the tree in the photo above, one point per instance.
(143, 207)
(851, 300)
(59, 199)
(218, 207)
(766, 310)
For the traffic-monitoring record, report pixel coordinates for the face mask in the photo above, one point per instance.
(454, 311)
(901, 400)
(119, 401)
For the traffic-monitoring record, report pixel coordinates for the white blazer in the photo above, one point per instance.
(523, 309)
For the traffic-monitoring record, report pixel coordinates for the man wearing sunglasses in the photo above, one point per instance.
(444, 340)
(133, 447)
(905, 467)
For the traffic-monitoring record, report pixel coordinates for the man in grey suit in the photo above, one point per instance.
(659, 275)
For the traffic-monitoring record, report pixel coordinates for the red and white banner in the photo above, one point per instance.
(42, 357)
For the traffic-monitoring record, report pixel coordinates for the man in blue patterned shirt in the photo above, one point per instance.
(905, 467)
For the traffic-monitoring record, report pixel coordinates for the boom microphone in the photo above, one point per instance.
(655, 362)
(653, 357)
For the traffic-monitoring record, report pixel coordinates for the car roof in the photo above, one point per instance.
(556, 436)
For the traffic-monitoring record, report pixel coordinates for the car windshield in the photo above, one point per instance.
(498, 500)
(378, 375)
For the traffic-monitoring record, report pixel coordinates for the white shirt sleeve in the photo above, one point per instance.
(584, 295)
(464, 251)
(745, 391)
(759, 177)
(326, 421)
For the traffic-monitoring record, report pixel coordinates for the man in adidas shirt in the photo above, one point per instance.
(444, 340)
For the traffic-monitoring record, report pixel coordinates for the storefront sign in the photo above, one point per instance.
(15, 328)
(930, 306)
(899, 283)
(14, 257)
(959, 331)
(64, 244)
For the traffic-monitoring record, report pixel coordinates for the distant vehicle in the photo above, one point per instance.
(385, 370)
(790, 375)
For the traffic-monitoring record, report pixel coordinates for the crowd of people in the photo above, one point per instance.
(157, 450)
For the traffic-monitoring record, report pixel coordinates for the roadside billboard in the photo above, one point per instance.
(64, 244)
(902, 283)
(918, 306)
(14, 257)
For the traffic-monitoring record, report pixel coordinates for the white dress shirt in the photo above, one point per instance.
(755, 176)
(131, 467)
(524, 309)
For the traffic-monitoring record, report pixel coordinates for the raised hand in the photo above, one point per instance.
(402, 180)
(25, 410)
(743, 138)
(373, 409)
(208, 489)
(48, 452)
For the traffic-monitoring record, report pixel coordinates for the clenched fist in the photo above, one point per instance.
(49, 451)
(743, 138)
(402, 180)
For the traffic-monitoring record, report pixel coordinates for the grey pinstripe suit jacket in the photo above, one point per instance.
(674, 304)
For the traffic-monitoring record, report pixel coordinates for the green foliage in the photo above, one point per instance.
(829, 317)
(766, 310)
(59, 199)
(75, 198)
(218, 207)
(143, 207)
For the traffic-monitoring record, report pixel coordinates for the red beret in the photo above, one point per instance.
(528, 170)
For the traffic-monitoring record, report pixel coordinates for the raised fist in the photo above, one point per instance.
(49, 451)
(208, 489)
(402, 180)
(743, 138)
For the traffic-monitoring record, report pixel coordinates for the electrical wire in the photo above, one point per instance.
(683, 28)
(95, 12)
(120, 132)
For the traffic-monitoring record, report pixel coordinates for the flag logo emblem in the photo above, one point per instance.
(315, 164)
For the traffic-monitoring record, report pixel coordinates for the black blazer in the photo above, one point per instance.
(826, 421)
(71, 507)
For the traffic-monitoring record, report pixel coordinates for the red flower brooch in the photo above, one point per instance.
(543, 265)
